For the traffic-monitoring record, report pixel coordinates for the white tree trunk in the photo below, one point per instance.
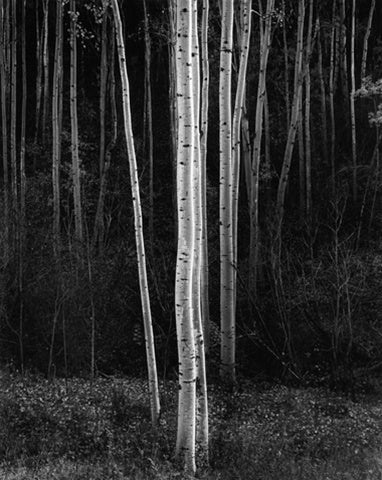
(138, 221)
(227, 307)
(185, 444)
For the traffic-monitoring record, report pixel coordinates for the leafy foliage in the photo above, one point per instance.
(102, 430)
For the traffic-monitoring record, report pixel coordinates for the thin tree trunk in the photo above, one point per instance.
(173, 106)
(39, 58)
(343, 52)
(331, 99)
(22, 185)
(45, 62)
(286, 62)
(103, 83)
(74, 125)
(324, 125)
(227, 267)
(149, 118)
(245, 37)
(99, 223)
(284, 176)
(138, 221)
(352, 104)
(13, 152)
(308, 151)
(265, 44)
(56, 126)
(4, 130)
(366, 39)
(204, 282)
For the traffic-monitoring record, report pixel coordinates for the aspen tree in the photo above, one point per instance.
(200, 229)
(284, 175)
(22, 183)
(102, 94)
(342, 54)
(324, 126)
(149, 121)
(39, 56)
(352, 103)
(308, 151)
(13, 80)
(138, 221)
(286, 62)
(246, 8)
(366, 39)
(227, 277)
(186, 434)
(265, 43)
(45, 63)
(173, 103)
(99, 224)
(203, 173)
(4, 130)
(76, 175)
(331, 98)
(56, 124)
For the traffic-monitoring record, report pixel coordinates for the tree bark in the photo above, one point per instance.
(227, 307)
(76, 175)
(366, 39)
(56, 125)
(352, 105)
(185, 443)
(138, 221)
(204, 282)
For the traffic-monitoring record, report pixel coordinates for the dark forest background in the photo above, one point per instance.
(325, 326)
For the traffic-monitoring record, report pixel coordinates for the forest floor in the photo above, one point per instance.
(74, 430)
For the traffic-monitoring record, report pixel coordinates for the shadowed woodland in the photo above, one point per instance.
(190, 203)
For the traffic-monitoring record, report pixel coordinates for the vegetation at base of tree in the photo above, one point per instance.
(76, 430)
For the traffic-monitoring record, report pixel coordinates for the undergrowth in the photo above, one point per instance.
(75, 430)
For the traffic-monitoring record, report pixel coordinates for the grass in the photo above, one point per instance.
(78, 431)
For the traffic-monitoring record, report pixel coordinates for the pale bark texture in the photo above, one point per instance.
(366, 39)
(200, 229)
(76, 173)
(138, 220)
(227, 276)
(204, 283)
(186, 435)
(245, 36)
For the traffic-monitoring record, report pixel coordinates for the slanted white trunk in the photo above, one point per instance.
(138, 221)
(245, 36)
